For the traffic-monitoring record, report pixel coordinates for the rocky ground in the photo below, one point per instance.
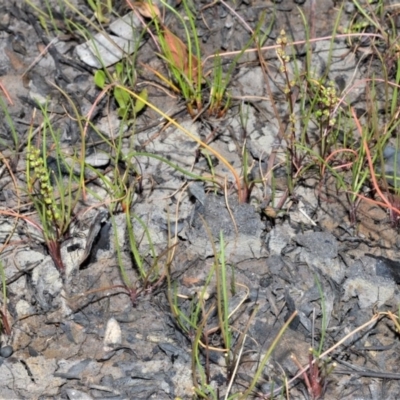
(81, 334)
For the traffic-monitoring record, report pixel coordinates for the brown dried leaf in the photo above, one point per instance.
(180, 56)
(147, 10)
(177, 48)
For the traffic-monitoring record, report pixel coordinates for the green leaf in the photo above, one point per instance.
(119, 69)
(122, 112)
(100, 78)
(139, 105)
(122, 97)
(43, 22)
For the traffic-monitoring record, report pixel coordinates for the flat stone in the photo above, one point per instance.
(97, 160)
(107, 49)
(369, 292)
(321, 244)
(216, 216)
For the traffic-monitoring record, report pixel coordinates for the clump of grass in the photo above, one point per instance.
(183, 61)
(320, 129)
(199, 317)
(316, 378)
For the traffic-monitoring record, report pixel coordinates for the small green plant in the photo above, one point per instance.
(200, 317)
(320, 129)
(54, 190)
(219, 99)
(45, 204)
(149, 274)
(367, 18)
(101, 9)
(195, 319)
(183, 61)
(315, 377)
(186, 68)
(127, 106)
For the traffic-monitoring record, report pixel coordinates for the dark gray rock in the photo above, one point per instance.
(321, 244)
(240, 224)
(6, 351)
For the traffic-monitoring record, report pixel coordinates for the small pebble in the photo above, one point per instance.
(74, 394)
(6, 351)
(112, 335)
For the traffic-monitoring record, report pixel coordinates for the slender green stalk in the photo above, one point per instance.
(133, 245)
(197, 366)
(324, 316)
(266, 357)
(4, 289)
(222, 295)
(124, 275)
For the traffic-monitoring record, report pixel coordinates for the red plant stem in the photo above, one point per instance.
(53, 247)
(386, 202)
(4, 321)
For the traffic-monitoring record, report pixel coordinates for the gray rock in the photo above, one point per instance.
(15, 379)
(97, 160)
(106, 49)
(320, 244)
(23, 308)
(369, 282)
(391, 156)
(279, 238)
(196, 190)
(215, 215)
(369, 292)
(47, 282)
(349, 7)
(78, 368)
(6, 351)
(320, 252)
(112, 335)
